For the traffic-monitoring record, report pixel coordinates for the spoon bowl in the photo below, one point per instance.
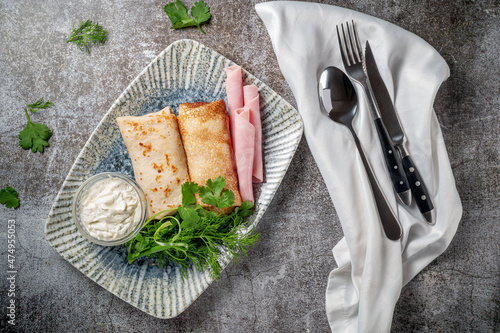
(337, 95)
(339, 101)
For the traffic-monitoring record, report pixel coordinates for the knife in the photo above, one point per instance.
(391, 121)
(391, 157)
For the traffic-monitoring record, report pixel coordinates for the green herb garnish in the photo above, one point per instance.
(9, 198)
(215, 195)
(177, 13)
(40, 104)
(195, 235)
(35, 135)
(86, 34)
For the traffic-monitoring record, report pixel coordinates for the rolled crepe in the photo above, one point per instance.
(160, 168)
(204, 129)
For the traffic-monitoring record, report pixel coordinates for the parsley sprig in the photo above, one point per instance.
(9, 198)
(195, 235)
(35, 135)
(86, 34)
(177, 13)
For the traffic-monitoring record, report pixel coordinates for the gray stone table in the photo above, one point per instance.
(280, 287)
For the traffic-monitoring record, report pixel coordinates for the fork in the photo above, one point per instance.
(352, 57)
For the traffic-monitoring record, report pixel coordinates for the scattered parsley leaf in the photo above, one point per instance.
(35, 135)
(86, 34)
(201, 13)
(177, 13)
(9, 198)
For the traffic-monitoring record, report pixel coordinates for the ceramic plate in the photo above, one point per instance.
(184, 72)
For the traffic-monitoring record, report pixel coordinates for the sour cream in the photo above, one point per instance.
(110, 209)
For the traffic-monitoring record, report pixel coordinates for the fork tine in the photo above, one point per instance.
(358, 44)
(343, 51)
(347, 42)
(353, 45)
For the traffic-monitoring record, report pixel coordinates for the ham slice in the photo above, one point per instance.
(246, 130)
(234, 91)
(244, 151)
(251, 101)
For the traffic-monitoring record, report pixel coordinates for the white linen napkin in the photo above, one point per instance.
(363, 290)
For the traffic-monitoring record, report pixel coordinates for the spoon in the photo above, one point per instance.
(339, 102)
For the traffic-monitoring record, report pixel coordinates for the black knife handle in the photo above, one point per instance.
(418, 188)
(392, 159)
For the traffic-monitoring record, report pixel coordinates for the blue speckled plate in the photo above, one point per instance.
(186, 71)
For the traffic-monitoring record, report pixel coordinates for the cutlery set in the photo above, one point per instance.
(338, 99)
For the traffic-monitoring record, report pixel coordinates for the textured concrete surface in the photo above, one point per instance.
(280, 286)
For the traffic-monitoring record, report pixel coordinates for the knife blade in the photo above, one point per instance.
(391, 121)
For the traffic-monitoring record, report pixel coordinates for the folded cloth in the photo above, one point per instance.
(363, 290)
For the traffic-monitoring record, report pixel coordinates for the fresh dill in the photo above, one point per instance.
(86, 34)
(38, 105)
(195, 235)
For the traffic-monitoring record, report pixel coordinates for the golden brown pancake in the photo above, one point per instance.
(204, 129)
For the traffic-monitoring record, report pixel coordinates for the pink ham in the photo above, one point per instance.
(251, 101)
(246, 131)
(244, 150)
(234, 91)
